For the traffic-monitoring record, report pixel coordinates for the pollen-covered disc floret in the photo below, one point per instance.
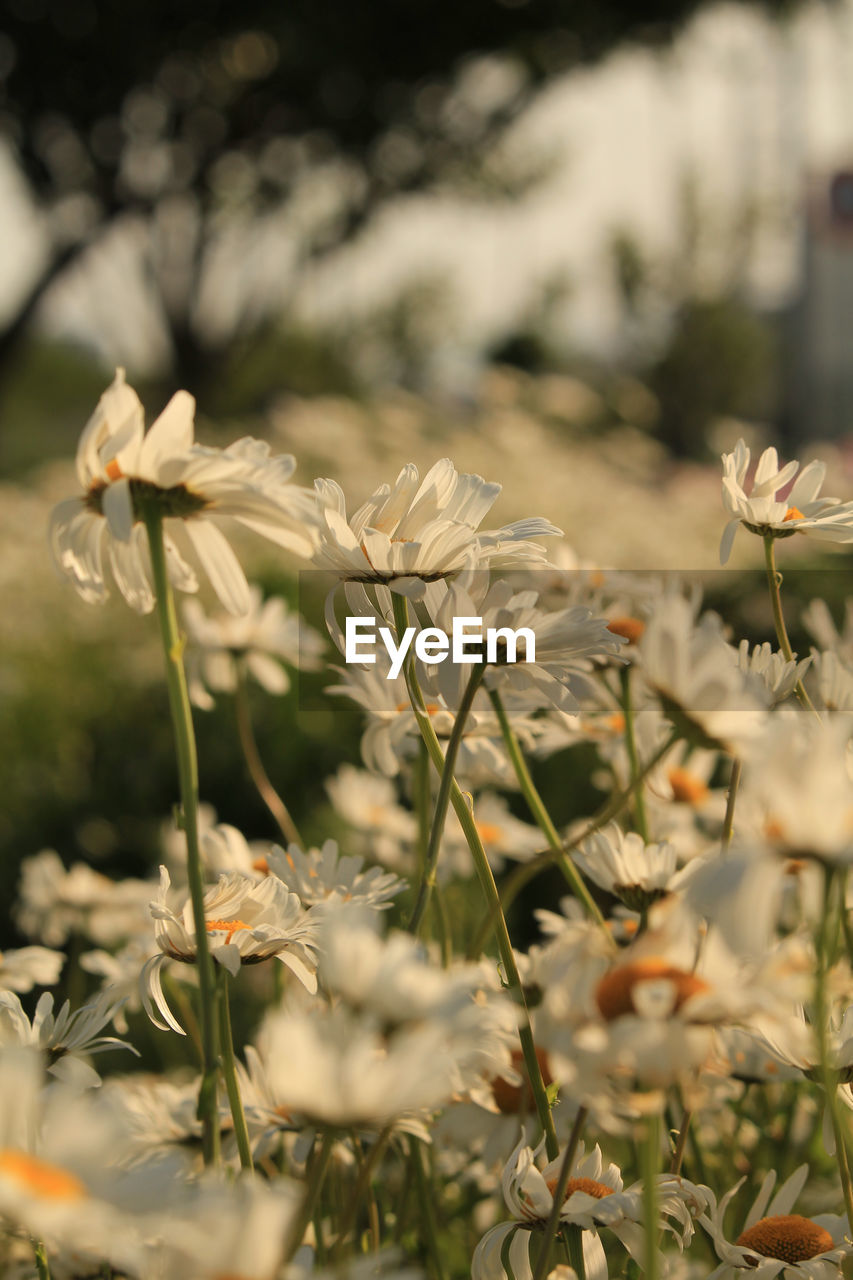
(775, 1241)
(125, 472)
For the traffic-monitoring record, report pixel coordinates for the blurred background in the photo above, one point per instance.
(579, 248)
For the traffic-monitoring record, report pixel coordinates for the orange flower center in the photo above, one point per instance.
(512, 1099)
(490, 832)
(631, 628)
(114, 471)
(431, 707)
(228, 927)
(686, 787)
(614, 994)
(588, 1185)
(793, 513)
(39, 1177)
(788, 1236)
(261, 865)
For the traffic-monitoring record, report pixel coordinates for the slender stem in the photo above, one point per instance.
(229, 1070)
(361, 1189)
(421, 798)
(731, 797)
(829, 1074)
(650, 1197)
(526, 871)
(558, 1196)
(678, 1153)
(316, 1177)
(443, 799)
(774, 582)
(540, 813)
(426, 1195)
(255, 765)
(487, 882)
(185, 748)
(42, 1264)
(633, 757)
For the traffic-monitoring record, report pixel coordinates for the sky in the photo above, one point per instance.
(751, 111)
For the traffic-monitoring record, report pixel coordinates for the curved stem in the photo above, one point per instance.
(633, 758)
(731, 797)
(540, 813)
(229, 1070)
(443, 799)
(558, 1196)
(487, 882)
(185, 749)
(526, 871)
(678, 1154)
(774, 582)
(255, 765)
(316, 1177)
(42, 1264)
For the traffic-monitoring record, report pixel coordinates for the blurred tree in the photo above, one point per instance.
(179, 116)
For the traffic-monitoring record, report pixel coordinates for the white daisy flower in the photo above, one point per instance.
(421, 531)
(54, 902)
(625, 866)
(121, 468)
(261, 640)
(595, 1199)
(326, 876)
(695, 673)
(763, 512)
(247, 921)
(66, 1038)
(774, 1241)
(23, 968)
(771, 666)
(834, 681)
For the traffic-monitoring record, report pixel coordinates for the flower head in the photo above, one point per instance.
(421, 530)
(764, 511)
(125, 471)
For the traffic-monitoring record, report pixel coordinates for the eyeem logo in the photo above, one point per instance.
(467, 643)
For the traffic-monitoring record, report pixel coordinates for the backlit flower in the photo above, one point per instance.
(124, 471)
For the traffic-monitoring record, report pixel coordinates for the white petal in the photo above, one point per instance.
(151, 986)
(221, 565)
(117, 506)
(170, 434)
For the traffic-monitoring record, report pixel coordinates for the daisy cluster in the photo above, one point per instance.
(652, 1077)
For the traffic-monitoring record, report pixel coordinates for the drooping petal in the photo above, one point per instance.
(221, 565)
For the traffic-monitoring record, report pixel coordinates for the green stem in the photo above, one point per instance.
(255, 764)
(540, 813)
(558, 1197)
(678, 1154)
(361, 1189)
(426, 1195)
(42, 1264)
(633, 757)
(650, 1197)
(185, 748)
(316, 1177)
(443, 799)
(487, 881)
(731, 797)
(526, 871)
(421, 799)
(829, 1074)
(229, 1070)
(774, 582)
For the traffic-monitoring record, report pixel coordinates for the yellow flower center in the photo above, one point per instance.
(793, 513)
(228, 927)
(262, 866)
(614, 994)
(788, 1237)
(588, 1185)
(113, 470)
(490, 832)
(630, 628)
(39, 1177)
(686, 787)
